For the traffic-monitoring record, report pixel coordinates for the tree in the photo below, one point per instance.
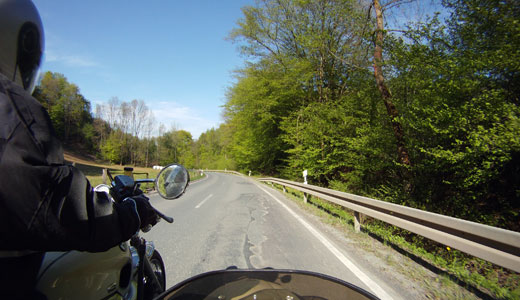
(138, 113)
(460, 111)
(404, 157)
(68, 109)
(148, 130)
(111, 148)
(131, 122)
(212, 149)
(306, 53)
(263, 96)
(326, 36)
(185, 148)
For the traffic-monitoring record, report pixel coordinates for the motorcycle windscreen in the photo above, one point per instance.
(265, 284)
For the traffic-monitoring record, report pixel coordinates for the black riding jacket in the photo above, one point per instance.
(46, 205)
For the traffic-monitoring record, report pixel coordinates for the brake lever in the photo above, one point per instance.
(163, 216)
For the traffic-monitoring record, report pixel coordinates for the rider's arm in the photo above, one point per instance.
(91, 220)
(44, 204)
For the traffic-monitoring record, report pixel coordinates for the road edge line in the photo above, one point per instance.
(374, 287)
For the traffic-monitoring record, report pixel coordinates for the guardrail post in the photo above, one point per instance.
(104, 176)
(357, 221)
(284, 190)
(305, 196)
(129, 171)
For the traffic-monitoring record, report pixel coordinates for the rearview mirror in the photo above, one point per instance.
(172, 181)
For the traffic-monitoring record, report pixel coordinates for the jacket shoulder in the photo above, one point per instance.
(17, 107)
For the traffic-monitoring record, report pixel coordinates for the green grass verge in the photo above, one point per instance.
(195, 175)
(456, 266)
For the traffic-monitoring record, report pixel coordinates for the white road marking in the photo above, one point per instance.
(376, 289)
(205, 199)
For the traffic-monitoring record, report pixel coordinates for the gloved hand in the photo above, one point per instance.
(146, 212)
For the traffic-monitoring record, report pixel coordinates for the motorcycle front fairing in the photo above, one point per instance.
(85, 275)
(264, 284)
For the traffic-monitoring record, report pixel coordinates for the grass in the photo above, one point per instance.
(93, 170)
(94, 173)
(454, 268)
(195, 175)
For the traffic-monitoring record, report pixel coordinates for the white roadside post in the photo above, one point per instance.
(304, 182)
(249, 173)
(104, 176)
(357, 221)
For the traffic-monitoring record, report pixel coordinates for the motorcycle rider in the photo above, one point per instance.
(45, 205)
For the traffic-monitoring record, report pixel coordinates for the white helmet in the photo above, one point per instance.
(21, 42)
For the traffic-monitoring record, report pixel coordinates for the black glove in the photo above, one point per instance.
(146, 213)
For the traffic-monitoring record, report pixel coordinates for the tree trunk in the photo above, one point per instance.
(404, 158)
(147, 151)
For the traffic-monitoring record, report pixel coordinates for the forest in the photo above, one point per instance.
(125, 133)
(425, 115)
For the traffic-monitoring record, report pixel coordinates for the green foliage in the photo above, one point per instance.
(212, 149)
(184, 146)
(68, 109)
(341, 142)
(176, 146)
(89, 136)
(461, 114)
(111, 148)
(263, 95)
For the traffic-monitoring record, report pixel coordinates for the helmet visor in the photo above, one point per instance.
(29, 56)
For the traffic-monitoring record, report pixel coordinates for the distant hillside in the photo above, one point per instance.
(71, 157)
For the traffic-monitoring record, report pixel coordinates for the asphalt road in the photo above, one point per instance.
(225, 220)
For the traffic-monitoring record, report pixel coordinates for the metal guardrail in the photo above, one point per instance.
(496, 245)
(224, 171)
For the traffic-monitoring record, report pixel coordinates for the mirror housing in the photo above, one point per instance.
(172, 181)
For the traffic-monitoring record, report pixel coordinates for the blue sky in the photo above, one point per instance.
(171, 54)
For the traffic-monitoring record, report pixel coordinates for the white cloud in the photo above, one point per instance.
(56, 52)
(70, 60)
(182, 117)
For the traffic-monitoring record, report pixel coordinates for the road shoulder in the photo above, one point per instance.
(397, 273)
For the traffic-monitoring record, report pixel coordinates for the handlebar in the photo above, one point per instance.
(125, 186)
(160, 214)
